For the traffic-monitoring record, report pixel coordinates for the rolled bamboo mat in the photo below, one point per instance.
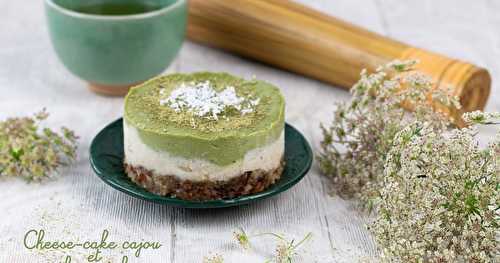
(299, 39)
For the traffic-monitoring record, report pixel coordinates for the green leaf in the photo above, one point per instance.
(16, 153)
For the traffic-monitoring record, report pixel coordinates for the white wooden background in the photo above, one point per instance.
(78, 206)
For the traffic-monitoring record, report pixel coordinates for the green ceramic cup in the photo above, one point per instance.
(125, 43)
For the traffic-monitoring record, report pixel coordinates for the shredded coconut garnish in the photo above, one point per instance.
(202, 100)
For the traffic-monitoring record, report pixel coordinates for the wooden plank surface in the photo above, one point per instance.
(78, 206)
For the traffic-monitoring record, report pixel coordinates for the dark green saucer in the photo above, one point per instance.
(106, 158)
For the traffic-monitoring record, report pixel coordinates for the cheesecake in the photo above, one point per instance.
(204, 136)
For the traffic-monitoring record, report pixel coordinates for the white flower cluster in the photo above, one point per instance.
(434, 192)
(479, 117)
(202, 100)
(440, 198)
(355, 145)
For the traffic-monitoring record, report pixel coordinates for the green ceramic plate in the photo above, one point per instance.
(106, 158)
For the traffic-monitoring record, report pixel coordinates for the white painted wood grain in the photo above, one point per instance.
(80, 206)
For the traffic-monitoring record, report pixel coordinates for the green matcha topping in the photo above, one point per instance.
(213, 116)
(150, 99)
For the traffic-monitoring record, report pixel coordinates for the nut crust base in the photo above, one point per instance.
(249, 182)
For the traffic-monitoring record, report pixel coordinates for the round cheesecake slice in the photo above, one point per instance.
(204, 136)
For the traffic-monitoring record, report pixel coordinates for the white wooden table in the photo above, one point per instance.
(78, 206)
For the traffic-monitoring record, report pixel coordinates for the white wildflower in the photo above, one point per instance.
(434, 191)
(479, 117)
(459, 217)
